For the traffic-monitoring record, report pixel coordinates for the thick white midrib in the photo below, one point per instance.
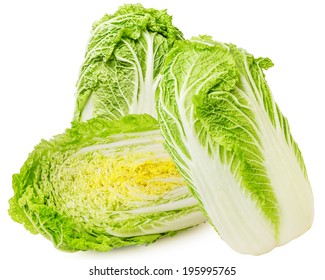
(146, 98)
(178, 192)
(235, 216)
(186, 220)
(291, 188)
(168, 206)
(289, 184)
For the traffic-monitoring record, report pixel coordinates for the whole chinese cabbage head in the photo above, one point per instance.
(232, 144)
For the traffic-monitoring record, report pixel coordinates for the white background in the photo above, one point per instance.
(42, 44)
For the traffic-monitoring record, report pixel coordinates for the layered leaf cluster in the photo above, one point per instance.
(102, 185)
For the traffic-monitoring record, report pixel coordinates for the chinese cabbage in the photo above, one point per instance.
(102, 185)
(122, 62)
(232, 144)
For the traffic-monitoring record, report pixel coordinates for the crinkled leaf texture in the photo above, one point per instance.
(102, 185)
(124, 56)
(232, 144)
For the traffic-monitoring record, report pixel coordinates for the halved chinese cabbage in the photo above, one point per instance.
(102, 185)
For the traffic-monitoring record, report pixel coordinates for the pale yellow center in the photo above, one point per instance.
(96, 183)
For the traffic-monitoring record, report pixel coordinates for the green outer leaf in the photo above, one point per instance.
(256, 74)
(37, 204)
(123, 58)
